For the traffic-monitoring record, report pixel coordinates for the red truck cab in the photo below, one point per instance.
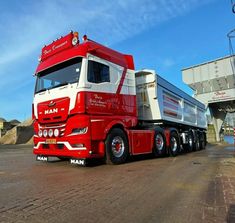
(84, 102)
(89, 102)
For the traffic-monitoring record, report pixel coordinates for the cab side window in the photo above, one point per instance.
(98, 72)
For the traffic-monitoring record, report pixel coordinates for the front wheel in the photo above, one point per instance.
(116, 145)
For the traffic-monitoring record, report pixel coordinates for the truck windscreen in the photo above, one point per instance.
(59, 75)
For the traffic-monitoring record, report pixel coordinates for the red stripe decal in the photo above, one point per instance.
(170, 99)
(121, 81)
(170, 113)
(168, 105)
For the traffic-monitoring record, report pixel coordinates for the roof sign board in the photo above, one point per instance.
(213, 81)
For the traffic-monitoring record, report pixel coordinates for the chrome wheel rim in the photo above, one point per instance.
(190, 141)
(174, 144)
(118, 146)
(159, 142)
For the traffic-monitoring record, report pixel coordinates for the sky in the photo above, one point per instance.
(164, 35)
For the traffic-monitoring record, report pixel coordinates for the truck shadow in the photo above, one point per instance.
(131, 159)
(138, 158)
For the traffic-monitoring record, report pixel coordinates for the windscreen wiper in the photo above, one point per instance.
(61, 84)
(41, 90)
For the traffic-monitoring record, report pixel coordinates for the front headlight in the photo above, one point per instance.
(50, 133)
(56, 132)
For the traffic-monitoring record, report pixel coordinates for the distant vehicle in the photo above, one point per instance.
(89, 102)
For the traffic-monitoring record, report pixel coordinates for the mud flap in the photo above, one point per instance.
(79, 162)
(41, 158)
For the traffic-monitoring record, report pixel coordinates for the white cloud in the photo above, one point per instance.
(25, 30)
(110, 21)
(168, 62)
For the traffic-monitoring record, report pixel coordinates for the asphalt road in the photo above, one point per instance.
(195, 187)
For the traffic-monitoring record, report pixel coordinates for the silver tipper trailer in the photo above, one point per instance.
(160, 101)
(176, 117)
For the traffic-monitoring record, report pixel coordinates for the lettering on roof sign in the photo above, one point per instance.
(55, 47)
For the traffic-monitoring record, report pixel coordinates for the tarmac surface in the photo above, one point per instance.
(195, 187)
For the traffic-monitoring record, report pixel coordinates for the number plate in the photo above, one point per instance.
(51, 141)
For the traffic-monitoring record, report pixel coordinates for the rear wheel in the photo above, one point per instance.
(197, 141)
(205, 138)
(202, 141)
(190, 142)
(116, 145)
(159, 144)
(174, 144)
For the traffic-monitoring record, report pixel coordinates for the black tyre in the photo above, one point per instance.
(174, 144)
(159, 144)
(197, 141)
(116, 145)
(202, 141)
(205, 139)
(190, 142)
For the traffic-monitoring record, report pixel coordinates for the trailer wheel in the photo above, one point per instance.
(202, 141)
(174, 144)
(190, 142)
(205, 139)
(159, 144)
(197, 141)
(116, 145)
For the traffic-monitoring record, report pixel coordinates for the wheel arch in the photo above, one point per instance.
(174, 130)
(113, 125)
(111, 156)
(167, 133)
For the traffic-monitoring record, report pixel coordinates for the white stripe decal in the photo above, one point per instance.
(65, 143)
(36, 147)
(70, 147)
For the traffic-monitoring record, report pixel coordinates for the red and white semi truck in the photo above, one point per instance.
(89, 102)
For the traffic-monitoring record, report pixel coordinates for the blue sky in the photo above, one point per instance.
(165, 35)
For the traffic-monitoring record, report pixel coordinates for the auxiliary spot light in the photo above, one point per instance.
(50, 133)
(45, 133)
(40, 133)
(75, 38)
(56, 132)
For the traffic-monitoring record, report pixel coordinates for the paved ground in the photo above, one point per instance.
(196, 187)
